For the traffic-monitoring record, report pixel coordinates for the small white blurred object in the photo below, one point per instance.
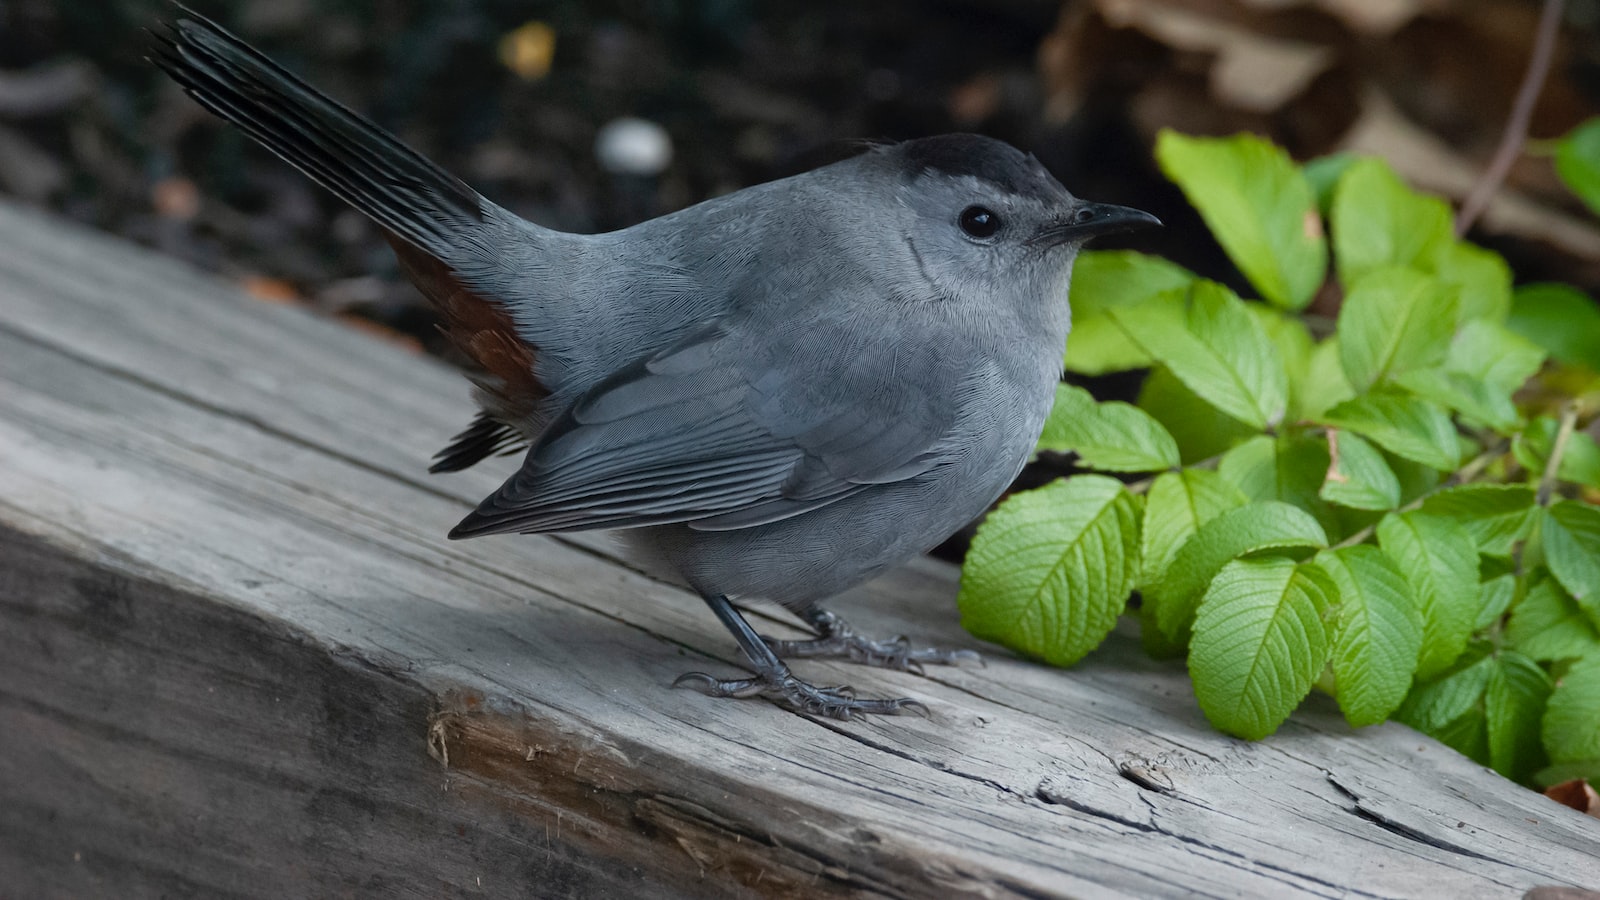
(633, 146)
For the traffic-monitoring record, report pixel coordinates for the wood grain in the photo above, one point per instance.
(238, 658)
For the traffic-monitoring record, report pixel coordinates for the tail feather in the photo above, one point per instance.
(347, 154)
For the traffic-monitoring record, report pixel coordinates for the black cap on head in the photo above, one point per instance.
(993, 161)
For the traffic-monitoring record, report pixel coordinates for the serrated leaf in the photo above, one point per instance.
(1323, 174)
(1496, 515)
(1247, 529)
(1464, 394)
(1290, 468)
(1377, 632)
(1113, 437)
(1481, 278)
(1514, 705)
(1572, 716)
(1417, 429)
(1571, 533)
(1201, 430)
(1548, 625)
(1578, 162)
(1580, 461)
(1050, 569)
(1175, 507)
(1222, 355)
(1259, 643)
(1487, 363)
(1561, 319)
(1258, 205)
(1450, 707)
(1378, 221)
(1153, 640)
(1394, 320)
(1324, 384)
(1495, 596)
(1105, 279)
(1360, 478)
(1415, 478)
(1438, 557)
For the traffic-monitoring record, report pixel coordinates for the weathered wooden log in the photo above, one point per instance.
(237, 657)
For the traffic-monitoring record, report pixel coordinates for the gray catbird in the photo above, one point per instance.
(778, 393)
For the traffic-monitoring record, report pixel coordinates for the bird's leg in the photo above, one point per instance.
(774, 680)
(837, 640)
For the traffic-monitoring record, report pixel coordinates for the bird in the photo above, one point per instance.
(772, 395)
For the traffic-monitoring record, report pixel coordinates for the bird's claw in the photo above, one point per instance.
(834, 702)
(843, 643)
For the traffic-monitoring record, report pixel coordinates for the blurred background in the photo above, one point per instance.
(594, 115)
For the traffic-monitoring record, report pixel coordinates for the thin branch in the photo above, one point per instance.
(1547, 483)
(1464, 475)
(1516, 133)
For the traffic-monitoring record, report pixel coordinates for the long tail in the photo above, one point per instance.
(345, 153)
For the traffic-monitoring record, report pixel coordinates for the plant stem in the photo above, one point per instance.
(1516, 132)
(1547, 483)
(1463, 475)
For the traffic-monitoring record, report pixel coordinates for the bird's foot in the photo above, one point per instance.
(837, 640)
(836, 702)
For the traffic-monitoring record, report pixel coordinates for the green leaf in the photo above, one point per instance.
(1394, 320)
(1114, 437)
(1468, 396)
(1097, 345)
(1572, 717)
(1438, 557)
(1494, 354)
(1450, 708)
(1407, 426)
(1548, 625)
(1495, 596)
(1050, 570)
(1259, 643)
(1378, 221)
(1292, 339)
(1105, 279)
(1571, 533)
(1247, 529)
(1487, 363)
(1323, 174)
(1415, 478)
(1561, 319)
(1514, 705)
(1580, 461)
(1578, 162)
(1201, 430)
(1102, 279)
(1361, 478)
(1481, 278)
(1177, 504)
(1377, 632)
(1222, 355)
(1259, 207)
(1290, 468)
(1324, 383)
(1496, 515)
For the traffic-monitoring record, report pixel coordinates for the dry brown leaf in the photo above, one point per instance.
(272, 290)
(1251, 71)
(1578, 794)
(175, 198)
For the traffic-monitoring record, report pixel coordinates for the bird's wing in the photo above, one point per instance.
(724, 432)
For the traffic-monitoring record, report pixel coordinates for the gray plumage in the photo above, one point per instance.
(779, 393)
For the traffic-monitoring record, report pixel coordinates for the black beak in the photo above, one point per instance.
(1089, 220)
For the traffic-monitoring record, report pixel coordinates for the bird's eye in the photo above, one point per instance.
(979, 221)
